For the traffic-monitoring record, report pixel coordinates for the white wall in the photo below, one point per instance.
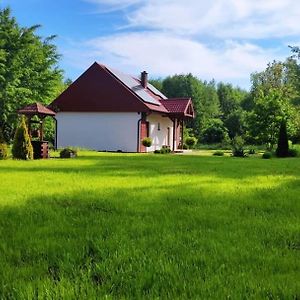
(159, 137)
(98, 130)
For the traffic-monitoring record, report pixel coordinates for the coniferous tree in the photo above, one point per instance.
(3, 147)
(22, 148)
(283, 143)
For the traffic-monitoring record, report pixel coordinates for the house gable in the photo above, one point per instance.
(97, 90)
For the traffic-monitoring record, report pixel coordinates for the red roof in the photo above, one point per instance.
(179, 106)
(36, 109)
(102, 89)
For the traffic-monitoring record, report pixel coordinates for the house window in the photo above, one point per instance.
(158, 126)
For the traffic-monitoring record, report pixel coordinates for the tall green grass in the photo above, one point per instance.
(150, 226)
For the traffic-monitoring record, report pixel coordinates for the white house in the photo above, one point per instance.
(105, 109)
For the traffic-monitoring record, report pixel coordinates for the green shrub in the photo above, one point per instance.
(251, 151)
(267, 155)
(293, 152)
(238, 146)
(163, 150)
(147, 142)
(22, 148)
(190, 141)
(3, 151)
(68, 153)
(214, 132)
(185, 147)
(3, 146)
(283, 142)
(218, 153)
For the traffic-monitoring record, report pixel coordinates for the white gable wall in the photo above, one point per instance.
(98, 130)
(159, 137)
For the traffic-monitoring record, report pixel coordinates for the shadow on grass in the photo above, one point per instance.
(153, 165)
(135, 243)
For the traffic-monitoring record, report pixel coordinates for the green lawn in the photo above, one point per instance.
(150, 226)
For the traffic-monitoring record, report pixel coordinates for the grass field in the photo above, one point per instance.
(150, 226)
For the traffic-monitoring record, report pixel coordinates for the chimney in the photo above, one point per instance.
(144, 79)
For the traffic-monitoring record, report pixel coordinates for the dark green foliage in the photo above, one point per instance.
(3, 151)
(28, 70)
(238, 146)
(3, 147)
(190, 141)
(218, 153)
(147, 142)
(2, 140)
(251, 151)
(275, 93)
(235, 123)
(158, 83)
(293, 152)
(203, 94)
(264, 121)
(283, 142)
(163, 150)
(22, 148)
(267, 155)
(68, 153)
(214, 132)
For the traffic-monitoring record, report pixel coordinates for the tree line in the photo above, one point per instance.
(29, 72)
(224, 111)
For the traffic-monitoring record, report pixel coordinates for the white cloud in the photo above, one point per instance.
(219, 18)
(211, 39)
(163, 54)
(111, 5)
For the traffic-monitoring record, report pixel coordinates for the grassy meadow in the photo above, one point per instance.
(135, 226)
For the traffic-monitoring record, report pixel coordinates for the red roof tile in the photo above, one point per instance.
(102, 89)
(36, 109)
(180, 106)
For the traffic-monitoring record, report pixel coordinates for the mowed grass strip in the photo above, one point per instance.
(150, 226)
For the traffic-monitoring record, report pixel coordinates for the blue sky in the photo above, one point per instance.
(221, 39)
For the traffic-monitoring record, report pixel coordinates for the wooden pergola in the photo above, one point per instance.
(40, 147)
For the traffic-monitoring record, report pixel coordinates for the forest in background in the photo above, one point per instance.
(30, 72)
(224, 111)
